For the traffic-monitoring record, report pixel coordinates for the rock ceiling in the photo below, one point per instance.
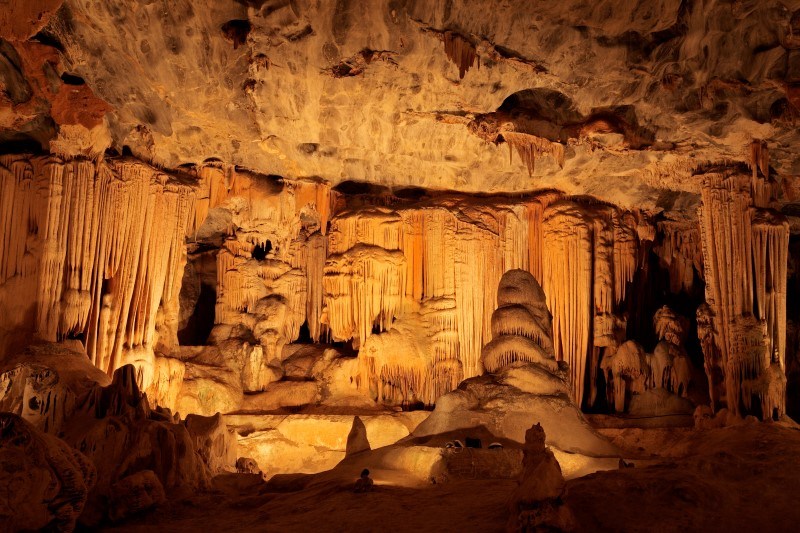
(635, 94)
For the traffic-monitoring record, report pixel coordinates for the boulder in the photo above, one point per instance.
(44, 483)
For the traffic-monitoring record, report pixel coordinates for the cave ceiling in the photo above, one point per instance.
(638, 95)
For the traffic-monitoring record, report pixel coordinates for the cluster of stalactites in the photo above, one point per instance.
(529, 147)
(270, 208)
(290, 218)
(681, 250)
(460, 51)
(103, 242)
(451, 251)
(414, 362)
(745, 251)
(591, 254)
(245, 283)
(629, 370)
(363, 288)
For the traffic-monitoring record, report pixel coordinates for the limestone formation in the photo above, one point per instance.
(630, 371)
(526, 385)
(251, 228)
(745, 246)
(90, 249)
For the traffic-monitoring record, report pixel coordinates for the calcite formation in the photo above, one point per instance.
(526, 383)
(273, 224)
(92, 250)
(745, 246)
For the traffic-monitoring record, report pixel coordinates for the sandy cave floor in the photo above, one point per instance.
(741, 478)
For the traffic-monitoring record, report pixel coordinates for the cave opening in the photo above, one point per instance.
(304, 337)
(198, 297)
(201, 321)
(260, 251)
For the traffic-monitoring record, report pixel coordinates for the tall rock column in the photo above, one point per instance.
(745, 248)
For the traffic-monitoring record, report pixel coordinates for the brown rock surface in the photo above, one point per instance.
(44, 482)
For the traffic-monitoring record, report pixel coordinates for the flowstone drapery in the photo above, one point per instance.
(743, 327)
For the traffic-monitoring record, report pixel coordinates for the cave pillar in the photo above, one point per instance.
(743, 326)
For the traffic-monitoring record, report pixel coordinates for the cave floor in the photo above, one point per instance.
(740, 478)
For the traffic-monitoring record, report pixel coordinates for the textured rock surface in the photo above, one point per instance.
(368, 92)
(134, 494)
(525, 386)
(44, 482)
(45, 383)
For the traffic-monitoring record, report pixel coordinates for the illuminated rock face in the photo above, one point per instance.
(620, 99)
(420, 95)
(98, 247)
(524, 385)
(91, 250)
(745, 246)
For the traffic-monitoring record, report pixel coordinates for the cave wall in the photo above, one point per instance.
(96, 250)
(299, 212)
(423, 267)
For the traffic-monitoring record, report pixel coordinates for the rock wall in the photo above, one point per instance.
(99, 247)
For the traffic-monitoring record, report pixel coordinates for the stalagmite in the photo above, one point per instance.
(521, 325)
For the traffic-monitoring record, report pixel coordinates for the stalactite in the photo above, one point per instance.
(363, 287)
(759, 158)
(765, 188)
(315, 264)
(568, 286)
(626, 257)
(536, 209)
(626, 373)
(460, 51)
(104, 241)
(681, 250)
(770, 261)
(529, 147)
(591, 253)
